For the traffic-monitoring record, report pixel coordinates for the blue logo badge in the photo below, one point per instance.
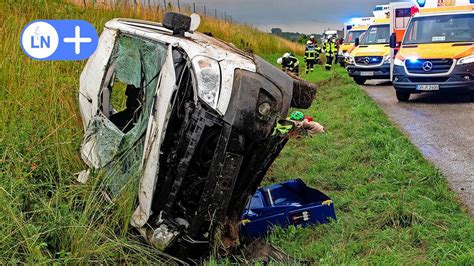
(59, 39)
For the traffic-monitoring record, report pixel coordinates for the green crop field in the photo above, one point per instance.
(392, 205)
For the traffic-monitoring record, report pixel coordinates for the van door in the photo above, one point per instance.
(93, 75)
(125, 90)
(400, 15)
(157, 125)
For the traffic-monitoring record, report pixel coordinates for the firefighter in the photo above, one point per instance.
(313, 40)
(318, 50)
(310, 56)
(289, 63)
(330, 49)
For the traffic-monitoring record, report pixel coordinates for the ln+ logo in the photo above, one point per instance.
(59, 40)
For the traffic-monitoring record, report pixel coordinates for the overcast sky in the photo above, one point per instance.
(306, 16)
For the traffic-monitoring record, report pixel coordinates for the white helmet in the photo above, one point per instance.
(286, 55)
(329, 37)
(311, 37)
(280, 61)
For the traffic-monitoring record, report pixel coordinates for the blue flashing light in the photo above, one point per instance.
(413, 60)
(422, 3)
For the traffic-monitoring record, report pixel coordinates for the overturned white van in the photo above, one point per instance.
(188, 117)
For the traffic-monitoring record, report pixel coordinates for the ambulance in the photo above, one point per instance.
(353, 30)
(371, 56)
(437, 51)
(381, 11)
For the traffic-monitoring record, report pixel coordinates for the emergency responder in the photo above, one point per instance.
(289, 63)
(318, 50)
(313, 40)
(310, 57)
(330, 50)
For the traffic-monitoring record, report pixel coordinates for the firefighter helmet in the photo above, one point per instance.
(297, 115)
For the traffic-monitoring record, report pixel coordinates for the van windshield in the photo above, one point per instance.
(352, 35)
(377, 34)
(441, 29)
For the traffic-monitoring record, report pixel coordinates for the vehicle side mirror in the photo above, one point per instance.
(357, 42)
(393, 40)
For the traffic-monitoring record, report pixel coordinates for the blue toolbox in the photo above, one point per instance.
(285, 204)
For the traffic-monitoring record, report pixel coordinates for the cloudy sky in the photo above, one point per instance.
(307, 16)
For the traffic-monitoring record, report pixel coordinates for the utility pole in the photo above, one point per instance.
(204, 10)
(225, 16)
(194, 7)
(179, 7)
(215, 12)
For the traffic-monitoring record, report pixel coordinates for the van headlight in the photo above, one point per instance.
(466, 60)
(398, 62)
(208, 75)
(350, 60)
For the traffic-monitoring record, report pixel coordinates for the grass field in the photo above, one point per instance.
(392, 205)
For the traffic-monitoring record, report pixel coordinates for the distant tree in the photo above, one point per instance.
(303, 38)
(276, 31)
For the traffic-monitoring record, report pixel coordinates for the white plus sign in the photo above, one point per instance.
(77, 40)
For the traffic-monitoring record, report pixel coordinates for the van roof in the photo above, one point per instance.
(359, 28)
(382, 21)
(203, 44)
(447, 9)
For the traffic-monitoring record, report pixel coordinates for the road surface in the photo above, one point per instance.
(442, 127)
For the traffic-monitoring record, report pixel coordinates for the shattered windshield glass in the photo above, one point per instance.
(116, 136)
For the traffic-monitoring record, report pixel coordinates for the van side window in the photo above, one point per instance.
(131, 80)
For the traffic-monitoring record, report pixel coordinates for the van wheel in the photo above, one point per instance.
(471, 97)
(403, 96)
(360, 81)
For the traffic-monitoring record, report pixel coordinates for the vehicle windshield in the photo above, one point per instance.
(441, 29)
(352, 35)
(377, 34)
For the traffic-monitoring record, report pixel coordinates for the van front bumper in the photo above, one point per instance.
(460, 80)
(377, 72)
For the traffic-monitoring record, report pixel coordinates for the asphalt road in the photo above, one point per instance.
(442, 127)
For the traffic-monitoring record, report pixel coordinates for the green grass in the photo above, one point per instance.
(45, 215)
(393, 207)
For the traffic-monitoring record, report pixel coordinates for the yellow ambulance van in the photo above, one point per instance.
(371, 57)
(437, 52)
(349, 43)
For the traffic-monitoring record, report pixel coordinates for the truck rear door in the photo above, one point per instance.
(400, 15)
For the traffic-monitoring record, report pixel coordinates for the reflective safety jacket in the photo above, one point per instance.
(290, 63)
(330, 48)
(310, 53)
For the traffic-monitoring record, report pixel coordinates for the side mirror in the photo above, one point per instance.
(176, 22)
(357, 42)
(393, 40)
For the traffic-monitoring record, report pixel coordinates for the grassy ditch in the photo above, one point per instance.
(393, 206)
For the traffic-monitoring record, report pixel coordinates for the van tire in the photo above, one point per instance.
(403, 96)
(360, 81)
